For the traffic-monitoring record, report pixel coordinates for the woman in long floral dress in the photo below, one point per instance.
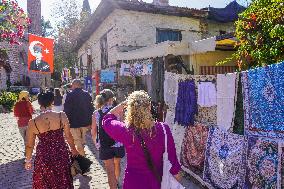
(52, 164)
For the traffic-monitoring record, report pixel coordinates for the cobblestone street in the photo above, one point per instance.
(14, 176)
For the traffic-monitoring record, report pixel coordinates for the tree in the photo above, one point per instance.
(69, 25)
(13, 22)
(46, 28)
(260, 31)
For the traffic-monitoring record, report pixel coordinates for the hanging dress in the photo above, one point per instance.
(52, 167)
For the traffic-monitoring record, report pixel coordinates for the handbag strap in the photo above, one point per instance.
(166, 137)
(148, 157)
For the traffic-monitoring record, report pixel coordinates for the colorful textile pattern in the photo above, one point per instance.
(186, 106)
(225, 159)
(263, 90)
(193, 147)
(207, 115)
(262, 164)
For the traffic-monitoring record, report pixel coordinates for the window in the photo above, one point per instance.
(168, 35)
(221, 32)
(104, 52)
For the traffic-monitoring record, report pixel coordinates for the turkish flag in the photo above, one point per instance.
(40, 56)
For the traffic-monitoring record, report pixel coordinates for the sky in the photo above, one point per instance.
(46, 5)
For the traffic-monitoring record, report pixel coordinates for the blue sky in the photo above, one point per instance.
(46, 5)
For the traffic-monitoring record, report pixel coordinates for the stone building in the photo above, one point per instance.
(14, 58)
(123, 25)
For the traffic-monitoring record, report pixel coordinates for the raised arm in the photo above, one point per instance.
(30, 142)
(68, 135)
(94, 128)
(117, 129)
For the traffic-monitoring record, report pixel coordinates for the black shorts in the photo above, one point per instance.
(112, 152)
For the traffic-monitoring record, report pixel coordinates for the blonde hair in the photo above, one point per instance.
(138, 111)
(99, 101)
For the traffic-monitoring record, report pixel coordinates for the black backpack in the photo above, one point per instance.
(105, 139)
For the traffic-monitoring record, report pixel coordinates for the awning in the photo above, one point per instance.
(156, 50)
(176, 48)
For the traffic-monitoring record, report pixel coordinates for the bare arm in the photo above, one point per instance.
(30, 138)
(68, 135)
(94, 128)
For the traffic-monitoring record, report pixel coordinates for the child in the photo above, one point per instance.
(23, 110)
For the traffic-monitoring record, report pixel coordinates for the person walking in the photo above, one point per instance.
(79, 108)
(23, 111)
(110, 152)
(144, 142)
(52, 164)
(99, 103)
(58, 98)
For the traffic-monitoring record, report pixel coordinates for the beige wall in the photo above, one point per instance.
(124, 28)
(208, 59)
(215, 27)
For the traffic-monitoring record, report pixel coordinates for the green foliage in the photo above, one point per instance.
(13, 22)
(69, 24)
(8, 99)
(46, 27)
(260, 30)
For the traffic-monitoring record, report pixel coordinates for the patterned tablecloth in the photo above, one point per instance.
(263, 90)
(225, 160)
(263, 164)
(193, 148)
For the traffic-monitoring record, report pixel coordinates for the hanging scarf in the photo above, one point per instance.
(186, 106)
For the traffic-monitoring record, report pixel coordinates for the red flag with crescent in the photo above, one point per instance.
(40, 56)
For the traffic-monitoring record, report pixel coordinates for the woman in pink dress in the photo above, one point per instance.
(52, 164)
(144, 142)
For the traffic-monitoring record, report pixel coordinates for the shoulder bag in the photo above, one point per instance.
(168, 180)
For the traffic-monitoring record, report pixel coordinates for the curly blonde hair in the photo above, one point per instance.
(138, 111)
(99, 102)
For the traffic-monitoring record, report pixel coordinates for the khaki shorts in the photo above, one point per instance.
(79, 136)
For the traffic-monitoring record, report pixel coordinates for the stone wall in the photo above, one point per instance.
(18, 68)
(135, 29)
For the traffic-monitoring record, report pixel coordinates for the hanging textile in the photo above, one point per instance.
(207, 115)
(158, 77)
(207, 94)
(170, 89)
(263, 90)
(193, 148)
(226, 92)
(282, 166)
(239, 113)
(225, 159)
(263, 164)
(186, 106)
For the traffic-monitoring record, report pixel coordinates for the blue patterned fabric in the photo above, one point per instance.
(186, 106)
(263, 92)
(225, 159)
(263, 159)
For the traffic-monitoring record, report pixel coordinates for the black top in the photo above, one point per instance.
(79, 108)
(58, 100)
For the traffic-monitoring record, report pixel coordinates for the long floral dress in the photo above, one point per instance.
(52, 162)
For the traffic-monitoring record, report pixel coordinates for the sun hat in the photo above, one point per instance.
(24, 94)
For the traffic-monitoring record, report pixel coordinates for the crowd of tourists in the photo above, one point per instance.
(127, 128)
